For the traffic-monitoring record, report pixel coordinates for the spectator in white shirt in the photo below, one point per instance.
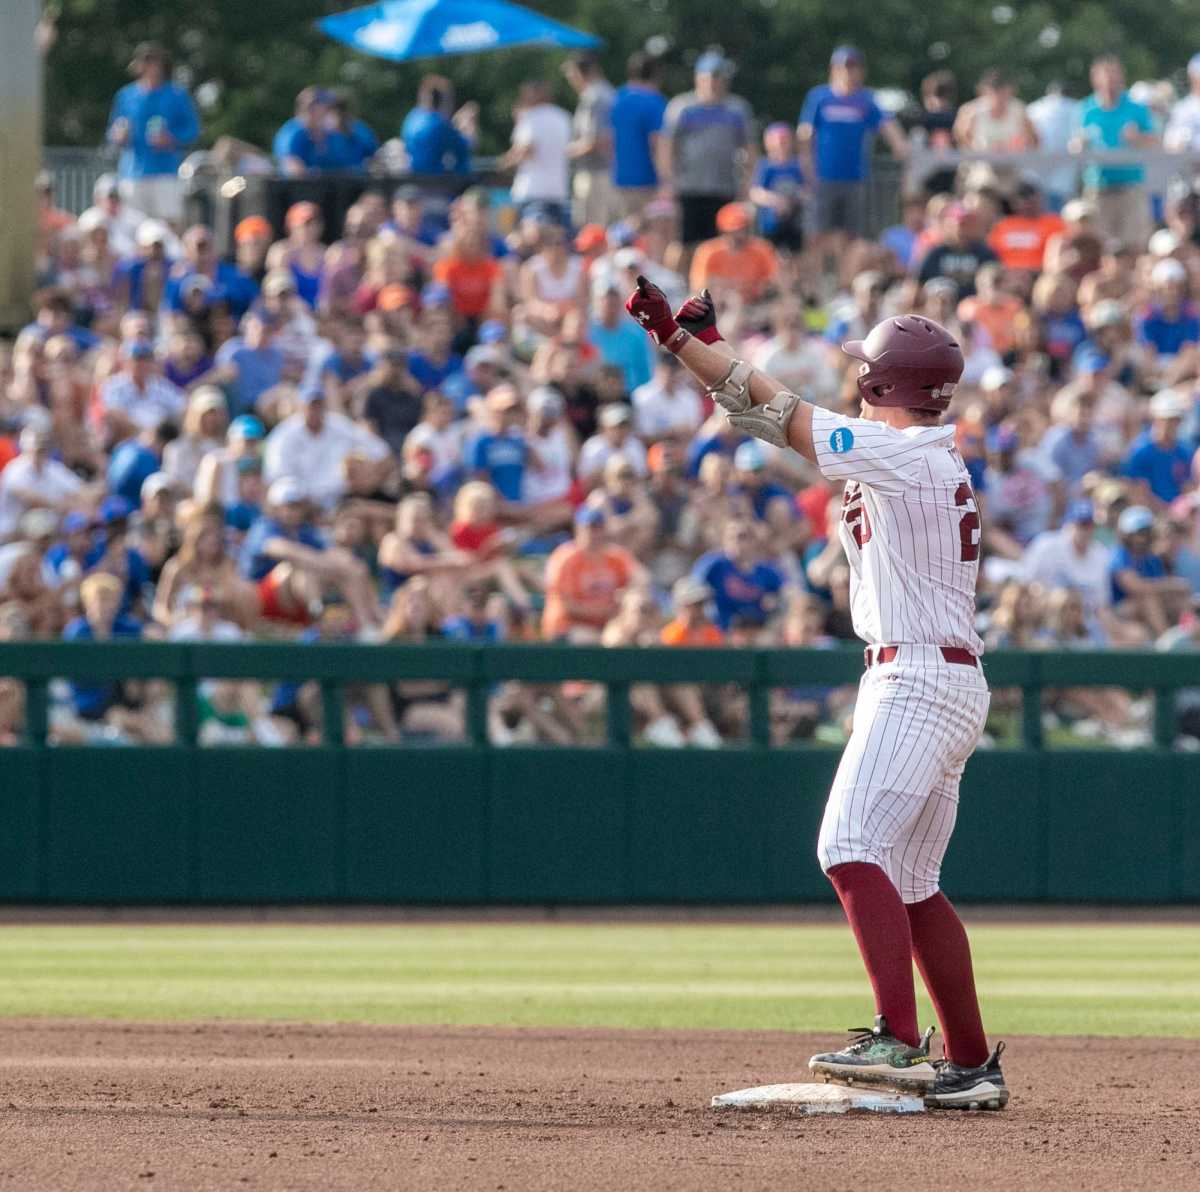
(1071, 557)
(312, 446)
(36, 481)
(668, 404)
(615, 437)
(138, 396)
(441, 437)
(795, 358)
(1182, 134)
(123, 221)
(540, 136)
(547, 487)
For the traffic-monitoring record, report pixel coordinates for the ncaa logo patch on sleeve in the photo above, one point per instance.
(841, 440)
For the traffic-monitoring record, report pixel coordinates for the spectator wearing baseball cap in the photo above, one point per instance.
(137, 394)
(152, 121)
(302, 253)
(312, 446)
(217, 476)
(1156, 459)
(306, 144)
(1170, 322)
(614, 437)
(36, 480)
(835, 128)
(691, 625)
(703, 148)
(736, 259)
(585, 579)
(1142, 588)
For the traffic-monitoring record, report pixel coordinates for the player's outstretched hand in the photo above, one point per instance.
(698, 315)
(649, 305)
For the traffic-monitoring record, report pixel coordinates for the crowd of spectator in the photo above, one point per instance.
(420, 425)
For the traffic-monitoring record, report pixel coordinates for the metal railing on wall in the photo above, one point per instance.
(477, 669)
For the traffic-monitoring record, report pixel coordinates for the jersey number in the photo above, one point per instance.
(968, 524)
(854, 514)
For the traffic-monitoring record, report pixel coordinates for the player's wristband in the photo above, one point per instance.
(676, 341)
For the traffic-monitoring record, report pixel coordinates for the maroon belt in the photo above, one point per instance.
(873, 655)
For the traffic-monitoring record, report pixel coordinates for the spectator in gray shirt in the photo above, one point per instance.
(704, 150)
(591, 147)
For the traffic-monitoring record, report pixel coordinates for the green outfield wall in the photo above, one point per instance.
(475, 824)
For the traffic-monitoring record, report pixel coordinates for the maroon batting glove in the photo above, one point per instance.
(649, 305)
(698, 315)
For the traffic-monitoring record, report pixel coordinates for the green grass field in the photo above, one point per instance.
(1063, 979)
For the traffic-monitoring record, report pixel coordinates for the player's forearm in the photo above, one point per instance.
(709, 364)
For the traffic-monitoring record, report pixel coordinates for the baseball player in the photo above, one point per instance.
(910, 529)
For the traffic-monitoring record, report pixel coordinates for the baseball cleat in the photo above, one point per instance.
(956, 1087)
(876, 1056)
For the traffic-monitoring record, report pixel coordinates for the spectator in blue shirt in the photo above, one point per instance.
(54, 314)
(1170, 322)
(136, 459)
(637, 120)
(743, 586)
(475, 623)
(836, 125)
(1156, 457)
(152, 121)
(617, 338)
(100, 596)
(307, 143)
(434, 360)
(251, 363)
(360, 140)
(112, 554)
(433, 142)
(750, 481)
(901, 239)
(228, 284)
(1142, 589)
(501, 454)
(291, 562)
(1072, 447)
(1109, 119)
(778, 190)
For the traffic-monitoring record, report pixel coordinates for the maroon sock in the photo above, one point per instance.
(943, 954)
(876, 914)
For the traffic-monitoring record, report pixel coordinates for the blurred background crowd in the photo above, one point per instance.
(436, 422)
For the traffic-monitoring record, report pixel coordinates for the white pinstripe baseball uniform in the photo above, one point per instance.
(910, 530)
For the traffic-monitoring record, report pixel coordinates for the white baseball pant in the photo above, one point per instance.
(895, 795)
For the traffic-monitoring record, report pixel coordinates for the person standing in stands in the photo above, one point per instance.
(591, 147)
(835, 129)
(435, 143)
(637, 120)
(152, 121)
(704, 150)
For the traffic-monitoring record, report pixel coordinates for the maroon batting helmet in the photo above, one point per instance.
(908, 361)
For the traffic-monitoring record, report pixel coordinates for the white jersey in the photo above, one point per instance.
(910, 529)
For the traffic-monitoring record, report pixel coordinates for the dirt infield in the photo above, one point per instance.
(215, 1106)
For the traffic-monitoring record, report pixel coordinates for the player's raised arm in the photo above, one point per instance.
(755, 402)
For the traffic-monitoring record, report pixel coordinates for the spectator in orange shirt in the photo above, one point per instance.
(472, 275)
(691, 626)
(1020, 239)
(993, 309)
(584, 580)
(735, 259)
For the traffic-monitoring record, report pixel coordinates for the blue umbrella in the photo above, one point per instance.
(404, 29)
